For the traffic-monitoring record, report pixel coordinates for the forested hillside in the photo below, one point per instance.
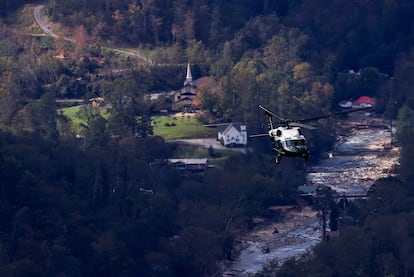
(105, 204)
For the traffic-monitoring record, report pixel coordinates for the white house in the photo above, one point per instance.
(232, 134)
(345, 104)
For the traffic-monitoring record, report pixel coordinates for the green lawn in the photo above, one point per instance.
(181, 127)
(168, 127)
(73, 113)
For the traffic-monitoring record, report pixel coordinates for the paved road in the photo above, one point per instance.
(39, 20)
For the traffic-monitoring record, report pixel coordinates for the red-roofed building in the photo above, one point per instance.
(364, 101)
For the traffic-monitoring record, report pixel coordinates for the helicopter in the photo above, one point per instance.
(288, 139)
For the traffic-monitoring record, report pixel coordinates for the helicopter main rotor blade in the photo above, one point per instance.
(270, 114)
(330, 115)
(267, 111)
(258, 135)
(301, 125)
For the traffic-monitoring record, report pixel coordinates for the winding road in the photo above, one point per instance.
(37, 14)
(39, 20)
(362, 156)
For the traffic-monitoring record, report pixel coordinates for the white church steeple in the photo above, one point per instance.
(189, 77)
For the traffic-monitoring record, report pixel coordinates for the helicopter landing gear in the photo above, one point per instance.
(278, 158)
(278, 154)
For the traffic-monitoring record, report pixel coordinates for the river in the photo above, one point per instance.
(362, 154)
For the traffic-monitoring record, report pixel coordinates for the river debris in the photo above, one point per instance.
(363, 154)
(292, 236)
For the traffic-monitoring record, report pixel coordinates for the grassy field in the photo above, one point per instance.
(74, 114)
(168, 127)
(181, 127)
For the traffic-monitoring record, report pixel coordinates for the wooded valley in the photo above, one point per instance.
(105, 204)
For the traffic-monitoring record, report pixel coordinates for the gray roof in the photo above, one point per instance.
(222, 128)
(189, 161)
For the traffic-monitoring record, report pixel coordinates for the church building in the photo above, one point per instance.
(185, 96)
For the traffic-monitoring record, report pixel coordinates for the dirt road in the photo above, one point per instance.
(37, 14)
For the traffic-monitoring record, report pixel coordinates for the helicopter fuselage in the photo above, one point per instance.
(289, 141)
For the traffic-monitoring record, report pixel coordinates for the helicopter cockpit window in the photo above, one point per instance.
(295, 142)
(300, 142)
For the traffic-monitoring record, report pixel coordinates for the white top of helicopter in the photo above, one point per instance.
(285, 133)
(288, 139)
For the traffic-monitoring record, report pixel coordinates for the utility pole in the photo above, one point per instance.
(326, 204)
(324, 200)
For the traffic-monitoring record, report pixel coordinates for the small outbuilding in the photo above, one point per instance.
(190, 164)
(345, 104)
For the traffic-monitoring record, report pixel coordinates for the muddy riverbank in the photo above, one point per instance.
(362, 154)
